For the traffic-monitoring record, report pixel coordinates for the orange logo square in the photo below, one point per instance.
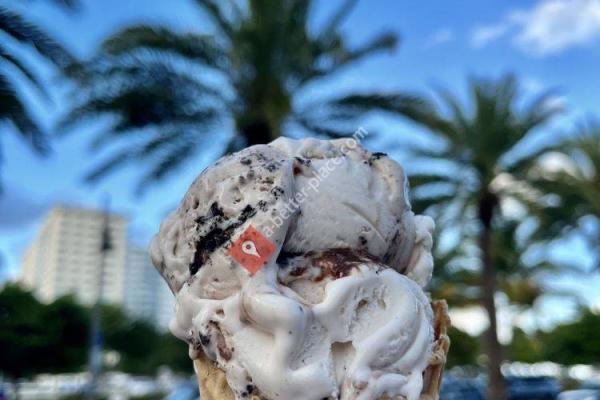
(252, 250)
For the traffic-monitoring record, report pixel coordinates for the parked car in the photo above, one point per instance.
(532, 388)
(581, 394)
(460, 389)
(591, 385)
(3, 395)
(589, 390)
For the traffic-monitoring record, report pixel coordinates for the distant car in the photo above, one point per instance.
(581, 394)
(186, 391)
(591, 385)
(532, 388)
(589, 390)
(3, 395)
(460, 389)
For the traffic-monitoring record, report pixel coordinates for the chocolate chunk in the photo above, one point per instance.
(285, 256)
(338, 263)
(272, 166)
(262, 205)
(222, 347)
(215, 210)
(376, 156)
(247, 212)
(335, 263)
(204, 339)
(298, 270)
(303, 161)
(218, 235)
(277, 192)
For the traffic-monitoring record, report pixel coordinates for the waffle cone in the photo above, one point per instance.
(213, 384)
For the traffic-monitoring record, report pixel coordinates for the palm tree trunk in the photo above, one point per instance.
(496, 386)
(257, 131)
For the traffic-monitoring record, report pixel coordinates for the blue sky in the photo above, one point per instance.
(547, 43)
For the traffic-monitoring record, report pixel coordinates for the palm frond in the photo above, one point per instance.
(320, 128)
(110, 164)
(24, 70)
(337, 57)
(161, 139)
(536, 114)
(522, 166)
(400, 104)
(103, 75)
(336, 19)
(161, 142)
(175, 157)
(586, 140)
(215, 12)
(419, 153)
(422, 204)
(456, 128)
(17, 27)
(199, 48)
(13, 110)
(123, 129)
(154, 97)
(459, 287)
(424, 179)
(576, 187)
(523, 292)
(68, 4)
(540, 111)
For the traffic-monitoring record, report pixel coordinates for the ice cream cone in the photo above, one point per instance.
(213, 384)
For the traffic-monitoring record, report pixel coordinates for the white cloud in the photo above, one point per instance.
(439, 37)
(482, 35)
(550, 27)
(555, 25)
(532, 85)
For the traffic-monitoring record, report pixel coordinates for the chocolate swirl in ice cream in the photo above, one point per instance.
(338, 311)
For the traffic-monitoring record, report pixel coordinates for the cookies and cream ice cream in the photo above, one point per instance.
(336, 308)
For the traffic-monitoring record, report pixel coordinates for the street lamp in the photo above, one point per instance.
(96, 339)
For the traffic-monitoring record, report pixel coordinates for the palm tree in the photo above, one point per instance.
(18, 31)
(457, 276)
(478, 171)
(168, 93)
(575, 179)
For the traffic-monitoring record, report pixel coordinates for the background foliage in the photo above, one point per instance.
(37, 337)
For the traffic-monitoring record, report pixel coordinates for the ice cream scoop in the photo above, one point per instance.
(335, 308)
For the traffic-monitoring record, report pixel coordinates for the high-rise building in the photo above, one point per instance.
(66, 256)
(147, 295)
